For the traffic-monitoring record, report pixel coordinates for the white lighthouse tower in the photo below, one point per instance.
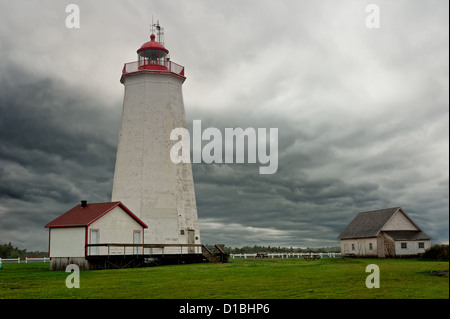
(158, 191)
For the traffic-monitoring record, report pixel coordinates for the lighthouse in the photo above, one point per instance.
(158, 191)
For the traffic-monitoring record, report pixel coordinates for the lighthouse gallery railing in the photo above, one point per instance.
(136, 66)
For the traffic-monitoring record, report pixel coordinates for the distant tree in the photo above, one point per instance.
(8, 251)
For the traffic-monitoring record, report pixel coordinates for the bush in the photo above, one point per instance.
(436, 252)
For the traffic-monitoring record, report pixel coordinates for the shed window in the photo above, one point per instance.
(353, 246)
(421, 245)
(403, 245)
(370, 246)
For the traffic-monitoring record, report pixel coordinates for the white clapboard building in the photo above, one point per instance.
(92, 223)
(383, 233)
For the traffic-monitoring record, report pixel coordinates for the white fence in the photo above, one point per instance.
(286, 255)
(26, 261)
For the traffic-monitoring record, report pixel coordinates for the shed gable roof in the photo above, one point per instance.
(369, 224)
(84, 216)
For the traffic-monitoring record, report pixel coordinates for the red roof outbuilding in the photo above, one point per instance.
(85, 214)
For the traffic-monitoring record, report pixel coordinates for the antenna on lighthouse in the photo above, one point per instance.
(151, 27)
(159, 32)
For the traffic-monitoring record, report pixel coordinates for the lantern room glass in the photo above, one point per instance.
(152, 58)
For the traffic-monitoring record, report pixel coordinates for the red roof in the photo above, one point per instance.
(152, 45)
(84, 216)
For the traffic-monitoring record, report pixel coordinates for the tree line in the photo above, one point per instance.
(8, 251)
(273, 249)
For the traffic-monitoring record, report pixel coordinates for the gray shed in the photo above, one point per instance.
(383, 233)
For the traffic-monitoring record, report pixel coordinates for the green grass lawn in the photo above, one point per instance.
(332, 278)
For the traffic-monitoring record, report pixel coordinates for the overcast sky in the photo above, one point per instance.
(362, 114)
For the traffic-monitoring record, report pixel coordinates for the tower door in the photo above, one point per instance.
(191, 240)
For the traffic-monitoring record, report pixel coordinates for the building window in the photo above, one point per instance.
(403, 245)
(353, 246)
(182, 232)
(421, 245)
(370, 246)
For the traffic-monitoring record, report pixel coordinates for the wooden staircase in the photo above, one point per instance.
(219, 256)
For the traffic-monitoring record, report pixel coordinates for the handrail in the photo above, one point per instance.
(136, 66)
(206, 248)
(219, 249)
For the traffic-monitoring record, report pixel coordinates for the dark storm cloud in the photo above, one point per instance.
(56, 148)
(326, 175)
(286, 208)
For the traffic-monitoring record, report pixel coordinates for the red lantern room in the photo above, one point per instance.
(152, 55)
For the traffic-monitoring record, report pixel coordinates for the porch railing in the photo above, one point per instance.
(110, 249)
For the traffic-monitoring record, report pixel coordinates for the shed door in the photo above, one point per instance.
(361, 248)
(94, 240)
(191, 240)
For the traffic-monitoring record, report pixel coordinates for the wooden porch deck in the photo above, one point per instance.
(113, 255)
